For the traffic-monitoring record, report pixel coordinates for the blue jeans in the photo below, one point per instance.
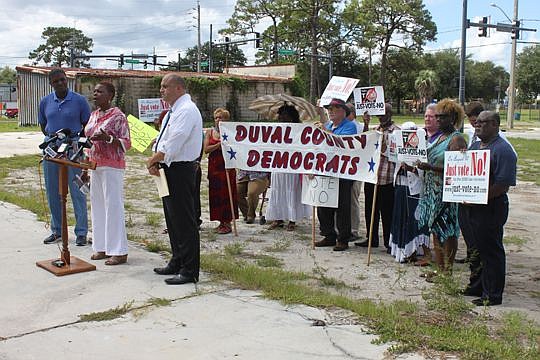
(50, 172)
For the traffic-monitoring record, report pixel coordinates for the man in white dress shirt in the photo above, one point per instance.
(175, 151)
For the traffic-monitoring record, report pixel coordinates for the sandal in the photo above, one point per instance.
(275, 224)
(116, 260)
(422, 263)
(100, 255)
(291, 226)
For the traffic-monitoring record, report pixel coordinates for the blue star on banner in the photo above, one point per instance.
(232, 154)
(225, 137)
(376, 145)
(371, 164)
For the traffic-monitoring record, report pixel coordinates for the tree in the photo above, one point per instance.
(220, 57)
(249, 13)
(381, 21)
(426, 85)
(446, 65)
(484, 80)
(528, 73)
(403, 66)
(7, 75)
(59, 44)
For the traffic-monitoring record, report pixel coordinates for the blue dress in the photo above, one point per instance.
(441, 218)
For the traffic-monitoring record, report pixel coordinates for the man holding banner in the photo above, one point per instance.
(339, 125)
(384, 202)
(486, 222)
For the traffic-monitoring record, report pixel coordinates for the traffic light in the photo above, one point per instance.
(227, 39)
(154, 59)
(145, 64)
(273, 52)
(302, 54)
(515, 30)
(257, 40)
(121, 61)
(482, 30)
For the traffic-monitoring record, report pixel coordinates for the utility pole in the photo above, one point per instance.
(198, 36)
(464, 26)
(512, 95)
(210, 51)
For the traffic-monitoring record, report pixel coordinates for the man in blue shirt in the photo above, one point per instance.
(329, 218)
(486, 222)
(63, 109)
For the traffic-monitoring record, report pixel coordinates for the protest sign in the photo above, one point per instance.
(391, 147)
(149, 109)
(466, 176)
(300, 149)
(370, 99)
(338, 88)
(320, 191)
(141, 134)
(411, 145)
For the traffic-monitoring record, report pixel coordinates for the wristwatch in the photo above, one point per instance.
(111, 139)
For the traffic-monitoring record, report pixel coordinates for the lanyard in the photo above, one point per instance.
(163, 126)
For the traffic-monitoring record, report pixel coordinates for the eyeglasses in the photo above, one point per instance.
(482, 122)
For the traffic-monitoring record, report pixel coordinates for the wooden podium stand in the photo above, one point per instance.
(71, 264)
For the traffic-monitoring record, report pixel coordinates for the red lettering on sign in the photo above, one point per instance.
(253, 158)
(308, 161)
(280, 160)
(321, 159)
(241, 133)
(296, 160)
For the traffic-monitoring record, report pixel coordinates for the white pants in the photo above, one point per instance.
(356, 190)
(107, 200)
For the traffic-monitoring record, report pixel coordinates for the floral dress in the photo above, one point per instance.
(440, 217)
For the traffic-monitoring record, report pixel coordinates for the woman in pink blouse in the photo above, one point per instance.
(109, 132)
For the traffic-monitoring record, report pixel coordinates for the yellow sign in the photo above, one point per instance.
(141, 134)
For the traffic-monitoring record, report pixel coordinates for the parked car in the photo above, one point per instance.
(11, 113)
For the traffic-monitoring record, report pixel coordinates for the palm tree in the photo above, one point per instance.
(426, 85)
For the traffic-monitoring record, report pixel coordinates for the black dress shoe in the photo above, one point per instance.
(471, 292)
(180, 279)
(365, 244)
(167, 270)
(325, 242)
(486, 302)
(52, 239)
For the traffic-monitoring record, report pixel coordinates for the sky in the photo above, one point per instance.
(170, 26)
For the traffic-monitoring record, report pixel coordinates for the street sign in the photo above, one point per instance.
(132, 61)
(286, 52)
(204, 63)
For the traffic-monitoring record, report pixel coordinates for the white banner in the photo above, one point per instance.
(300, 149)
(466, 176)
(338, 88)
(370, 99)
(149, 109)
(411, 145)
(320, 191)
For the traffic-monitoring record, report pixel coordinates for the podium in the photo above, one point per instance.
(66, 264)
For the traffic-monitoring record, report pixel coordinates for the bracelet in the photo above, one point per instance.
(111, 139)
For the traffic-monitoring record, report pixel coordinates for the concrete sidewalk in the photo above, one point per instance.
(40, 312)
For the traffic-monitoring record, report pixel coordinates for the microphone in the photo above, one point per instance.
(83, 143)
(61, 134)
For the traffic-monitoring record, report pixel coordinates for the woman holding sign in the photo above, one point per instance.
(109, 132)
(285, 201)
(218, 191)
(441, 217)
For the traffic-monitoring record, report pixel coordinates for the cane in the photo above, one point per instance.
(262, 219)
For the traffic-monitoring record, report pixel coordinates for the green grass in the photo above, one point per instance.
(13, 126)
(514, 240)
(401, 323)
(108, 314)
(528, 159)
(234, 249)
(268, 261)
(153, 219)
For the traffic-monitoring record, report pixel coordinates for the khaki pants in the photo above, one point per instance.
(248, 195)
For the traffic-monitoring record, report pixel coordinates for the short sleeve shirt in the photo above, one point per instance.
(503, 161)
(72, 112)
